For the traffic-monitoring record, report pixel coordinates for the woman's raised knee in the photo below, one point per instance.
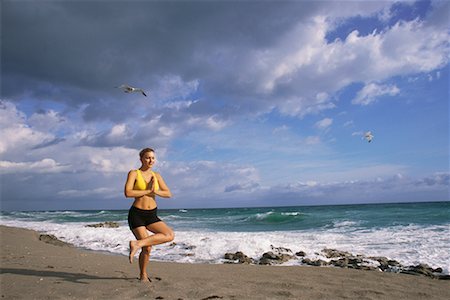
(170, 236)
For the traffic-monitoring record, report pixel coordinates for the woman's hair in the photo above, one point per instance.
(145, 150)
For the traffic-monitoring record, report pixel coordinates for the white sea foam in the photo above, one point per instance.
(410, 245)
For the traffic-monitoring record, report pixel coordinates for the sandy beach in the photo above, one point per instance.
(35, 269)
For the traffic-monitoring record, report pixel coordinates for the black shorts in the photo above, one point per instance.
(142, 217)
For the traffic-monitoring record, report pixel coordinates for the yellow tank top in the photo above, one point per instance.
(141, 184)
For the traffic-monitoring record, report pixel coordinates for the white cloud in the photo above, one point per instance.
(17, 137)
(209, 122)
(349, 123)
(174, 87)
(303, 62)
(104, 192)
(324, 123)
(46, 165)
(369, 93)
(47, 121)
(202, 178)
(386, 188)
(312, 140)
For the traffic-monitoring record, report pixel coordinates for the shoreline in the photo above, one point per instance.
(34, 269)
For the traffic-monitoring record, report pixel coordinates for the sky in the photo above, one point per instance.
(250, 103)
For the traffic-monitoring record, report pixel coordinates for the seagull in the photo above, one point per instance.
(368, 136)
(130, 89)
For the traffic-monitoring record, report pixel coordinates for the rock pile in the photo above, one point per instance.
(337, 258)
(107, 224)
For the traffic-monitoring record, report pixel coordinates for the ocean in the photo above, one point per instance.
(410, 233)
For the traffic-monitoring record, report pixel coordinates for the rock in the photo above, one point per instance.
(368, 268)
(281, 250)
(189, 247)
(270, 255)
(266, 261)
(51, 239)
(333, 253)
(437, 270)
(355, 260)
(392, 262)
(387, 265)
(270, 258)
(317, 263)
(240, 257)
(107, 224)
(342, 263)
(421, 269)
(300, 253)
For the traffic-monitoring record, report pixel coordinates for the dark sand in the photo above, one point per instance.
(33, 269)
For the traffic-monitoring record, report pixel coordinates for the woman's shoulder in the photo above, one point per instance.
(156, 174)
(132, 172)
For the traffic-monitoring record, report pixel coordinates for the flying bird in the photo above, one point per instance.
(130, 89)
(368, 136)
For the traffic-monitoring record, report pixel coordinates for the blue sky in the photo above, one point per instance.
(250, 103)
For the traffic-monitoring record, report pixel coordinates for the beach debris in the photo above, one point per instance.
(368, 136)
(129, 89)
(107, 224)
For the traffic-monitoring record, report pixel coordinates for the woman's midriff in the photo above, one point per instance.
(145, 202)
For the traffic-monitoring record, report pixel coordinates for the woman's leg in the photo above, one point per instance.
(144, 257)
(162, 234)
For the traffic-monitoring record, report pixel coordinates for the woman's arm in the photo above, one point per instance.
(129, 191)
(164, 190)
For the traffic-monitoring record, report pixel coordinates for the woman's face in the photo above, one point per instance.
(148, 159)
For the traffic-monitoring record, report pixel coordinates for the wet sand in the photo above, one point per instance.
(34, 269)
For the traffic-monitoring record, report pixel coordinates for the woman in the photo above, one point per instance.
(144, 185)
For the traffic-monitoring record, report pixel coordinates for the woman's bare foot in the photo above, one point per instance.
(133, 249)
(145, 279)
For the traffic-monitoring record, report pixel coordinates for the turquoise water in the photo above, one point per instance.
(366, 216)
(411, 233)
